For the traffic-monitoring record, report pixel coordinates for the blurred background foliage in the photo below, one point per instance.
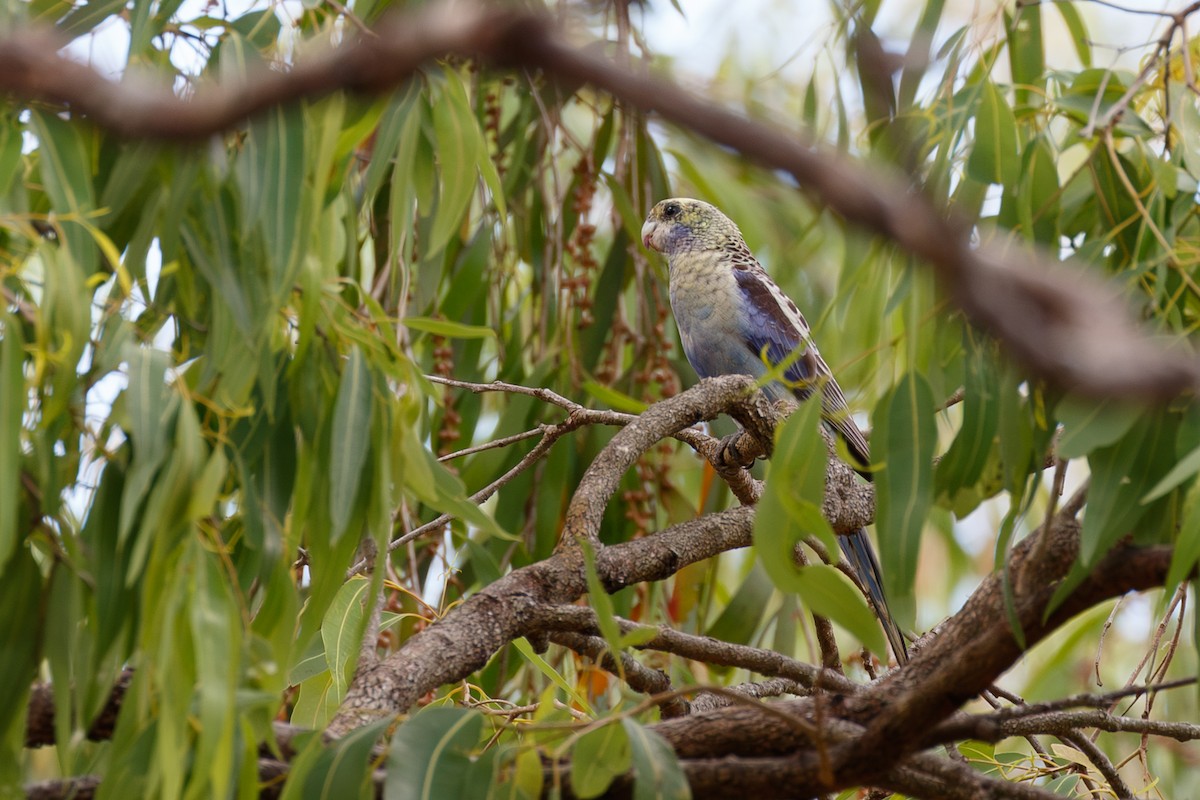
(213, 360)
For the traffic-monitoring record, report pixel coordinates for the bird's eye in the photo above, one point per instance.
(671, 210)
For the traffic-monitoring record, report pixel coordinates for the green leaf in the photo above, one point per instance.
(216, 624)
(346, 767)
(164, 515)
(809, 106)
(598, 758)
(13, 398)
(1038, 193)
(63, 636)
(459, 149)
(311, 663)
(826, 591)
(1122, 474)
(21, 631)
(601, 602)
(656, 771)
(430, 754)
(739, 620)
(283, 162)
(616, 400)
(916, 60)
(419, 466)
(208, 485)
(84, 18)
(1078, 31)
(631, 220)
(790, 507)
(1195, 583)
(524, 779)
(10, 153)
(399, 116)
(114, 600)
(995, 157)
(526, 650)
(404, 191)
(1093, 92)
(208, 237)
(1187, 466)
(1090, 424)
(350, 441)
(963, 464)
(1187, 543)
(259, 28)
(342, 631)
(132, 170)
(905, 437)
(67, 174)
(800, 460)
(451, 330)
(335, 770)
(776, 543)
(433, 483)
(491, 177)
(1017, 451)
(139, 28)
(1026, 54)
(316, 702)
(146, 404)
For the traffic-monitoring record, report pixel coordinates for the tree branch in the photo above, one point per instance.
(463, 641)
(639, 677)
(39, 723)
(966, 655)
(1066, 326)
(701, 648)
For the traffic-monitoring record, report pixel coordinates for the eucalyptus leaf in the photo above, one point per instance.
(430, 754)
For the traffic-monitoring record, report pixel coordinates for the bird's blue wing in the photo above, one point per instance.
(776, 328)
(771, 331)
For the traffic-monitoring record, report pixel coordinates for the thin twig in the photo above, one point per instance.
(639, 677)
(701, 648)
(1095, 755)
(1104, 629)
(495, 444)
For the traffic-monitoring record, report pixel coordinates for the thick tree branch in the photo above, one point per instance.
(465, 639)
(967, 654)
(773, 687)
(734, 395)
(1069, 328)
(925, 776)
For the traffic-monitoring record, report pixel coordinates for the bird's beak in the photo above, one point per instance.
(648, 230)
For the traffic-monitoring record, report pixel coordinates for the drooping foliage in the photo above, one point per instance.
(214, 359)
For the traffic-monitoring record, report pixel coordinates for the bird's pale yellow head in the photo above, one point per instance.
(681, 224)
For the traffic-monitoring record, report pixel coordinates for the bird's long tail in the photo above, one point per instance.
(861, 555)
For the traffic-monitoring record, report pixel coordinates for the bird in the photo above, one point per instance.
(734, 320)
